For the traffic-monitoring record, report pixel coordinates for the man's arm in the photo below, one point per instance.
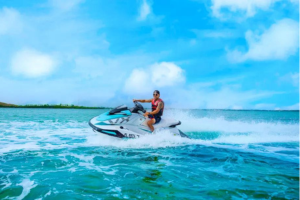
(159, 107)
(143, 100)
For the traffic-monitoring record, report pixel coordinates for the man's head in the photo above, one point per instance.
(156, 94)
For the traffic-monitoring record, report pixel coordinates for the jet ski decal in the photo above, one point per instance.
(131, 135)
(109, 132)
(106, 116)
(114, 133)
(124, 119)
(146, 130)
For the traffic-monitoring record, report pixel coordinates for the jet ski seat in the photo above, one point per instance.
(167, 123)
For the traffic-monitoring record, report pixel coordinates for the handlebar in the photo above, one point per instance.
(139, 106)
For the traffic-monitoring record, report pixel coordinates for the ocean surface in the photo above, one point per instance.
(54, 154)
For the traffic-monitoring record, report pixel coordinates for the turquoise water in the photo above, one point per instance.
(54, 154)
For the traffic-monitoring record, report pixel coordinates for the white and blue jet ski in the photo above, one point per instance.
(122, 122)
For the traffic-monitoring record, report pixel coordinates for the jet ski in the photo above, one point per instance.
(122, 122)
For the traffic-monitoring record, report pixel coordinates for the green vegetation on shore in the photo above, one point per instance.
(6, 105)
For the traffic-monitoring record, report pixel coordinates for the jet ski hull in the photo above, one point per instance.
(122, 123)
(124, 132)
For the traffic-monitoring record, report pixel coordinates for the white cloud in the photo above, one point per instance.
(166, 74)
(145, 10)
(65, 5)
(221, 94)
(158, 75)
(218, 94)
(82, 87)
(249, 7)
(32, 64)
(67, 34)
(10, 21)
(138, 83)
(277, 43)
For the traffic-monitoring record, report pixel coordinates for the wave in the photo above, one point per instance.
(228, 131)
(214, 132)
(165, 139)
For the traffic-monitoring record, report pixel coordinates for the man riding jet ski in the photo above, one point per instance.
(122, 122)
(157, 109)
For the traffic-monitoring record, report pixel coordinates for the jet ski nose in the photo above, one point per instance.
(122, 122)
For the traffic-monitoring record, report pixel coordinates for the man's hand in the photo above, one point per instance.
(134, 100)
(146, 114)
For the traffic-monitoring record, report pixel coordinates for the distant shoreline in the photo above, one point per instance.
(64, 106)
(84, 107)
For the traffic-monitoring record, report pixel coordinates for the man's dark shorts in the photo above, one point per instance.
(157, 119)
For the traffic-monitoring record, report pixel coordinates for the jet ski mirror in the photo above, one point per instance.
(139, 106)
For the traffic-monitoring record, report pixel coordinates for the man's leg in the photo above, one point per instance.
(150, 124)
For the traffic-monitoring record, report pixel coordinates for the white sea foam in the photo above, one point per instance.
(48, 193)
(27, 186)
(161, 139)
(166, 139)
(191, 123)
(6, 182)
(92, 166)
(88, 159)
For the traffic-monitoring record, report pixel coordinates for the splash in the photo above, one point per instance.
(27, 186)
(161, 139)
(192, 123)
(220, 130)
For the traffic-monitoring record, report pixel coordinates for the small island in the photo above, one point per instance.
(6, 105)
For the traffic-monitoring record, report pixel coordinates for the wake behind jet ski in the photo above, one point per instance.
(122, 122)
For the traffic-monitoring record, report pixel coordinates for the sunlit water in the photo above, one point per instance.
(54, 154)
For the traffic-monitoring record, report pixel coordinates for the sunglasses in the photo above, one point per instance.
(155, 94)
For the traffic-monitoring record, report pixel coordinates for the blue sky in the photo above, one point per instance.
(227, 54)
